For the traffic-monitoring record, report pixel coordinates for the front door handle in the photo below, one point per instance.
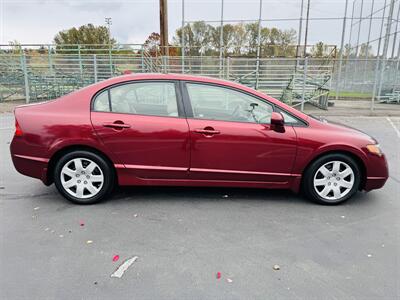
(116, 125)
(207, 131)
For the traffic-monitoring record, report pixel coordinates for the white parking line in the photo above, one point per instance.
(394, 127)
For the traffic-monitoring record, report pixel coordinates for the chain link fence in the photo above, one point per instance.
(36, 76)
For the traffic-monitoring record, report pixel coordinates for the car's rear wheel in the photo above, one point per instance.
(83, 177)
(332, 179)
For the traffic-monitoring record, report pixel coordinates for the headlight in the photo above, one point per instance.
(374, 149)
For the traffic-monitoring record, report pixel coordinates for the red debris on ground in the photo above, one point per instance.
(218, 275)
(116, 257)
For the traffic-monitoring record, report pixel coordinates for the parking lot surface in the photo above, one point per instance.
(51, 249)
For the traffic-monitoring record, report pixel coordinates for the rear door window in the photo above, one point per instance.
(142, 98)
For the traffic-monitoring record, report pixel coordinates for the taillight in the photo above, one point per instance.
(18, 130)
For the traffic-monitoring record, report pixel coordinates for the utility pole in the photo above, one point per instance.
(164, 27)
(306, 33)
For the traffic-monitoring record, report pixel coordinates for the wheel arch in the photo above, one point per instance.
(359, 161)
(62, 151)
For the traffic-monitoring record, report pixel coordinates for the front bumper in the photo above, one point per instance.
(377, 172)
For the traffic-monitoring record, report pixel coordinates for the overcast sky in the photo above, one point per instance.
(37, 21)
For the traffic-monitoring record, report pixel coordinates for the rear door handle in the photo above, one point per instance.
(116, 125)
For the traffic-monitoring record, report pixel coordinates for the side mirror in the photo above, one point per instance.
(277, 119)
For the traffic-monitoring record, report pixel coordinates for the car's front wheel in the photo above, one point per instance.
(83, 177)
(332, 179)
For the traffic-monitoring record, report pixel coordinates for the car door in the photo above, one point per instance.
(231, 138)
(143, 124)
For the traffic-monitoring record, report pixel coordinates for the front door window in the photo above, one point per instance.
(223, 104)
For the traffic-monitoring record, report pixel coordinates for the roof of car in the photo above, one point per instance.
(172, 76)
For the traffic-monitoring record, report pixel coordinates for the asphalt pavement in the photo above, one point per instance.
(184, 238)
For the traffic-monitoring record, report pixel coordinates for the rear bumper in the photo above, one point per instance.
(31, 166)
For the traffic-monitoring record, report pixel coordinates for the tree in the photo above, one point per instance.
(319, 49)
(152, 43)
(198, 37)
(227, 38)
(252, 35)
(93, 37)
(239, 38)
(365, 51)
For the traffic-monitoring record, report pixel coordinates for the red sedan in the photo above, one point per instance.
(165, 129)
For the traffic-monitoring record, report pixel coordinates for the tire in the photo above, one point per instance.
(84, 177)
(324, 184)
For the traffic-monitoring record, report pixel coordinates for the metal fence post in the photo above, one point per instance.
(50, 58)
(164, 60)
(228, 60)
(221, 40)
(386, 45)
(26, 78)
(95, 67)
(183, 38)
(341, 52)
(258, 45)
(377, 61)
(142, 58)
(395, 32)
(303, 96)
(110, 60)
(359, 27)
(300, 29)
(368, 41)
(349, 43)
(80, 60)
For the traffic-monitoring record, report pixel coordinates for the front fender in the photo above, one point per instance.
(306, 156)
